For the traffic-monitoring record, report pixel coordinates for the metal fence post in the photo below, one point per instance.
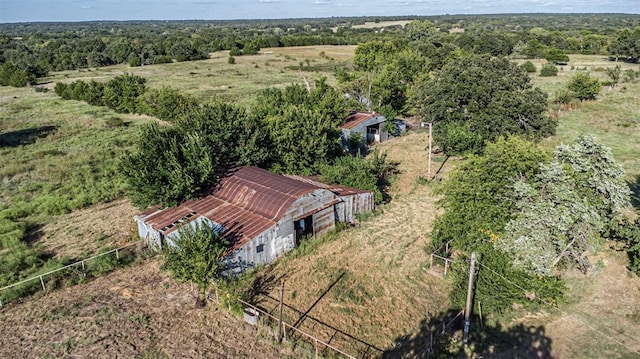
(42, 282)
(117, 254)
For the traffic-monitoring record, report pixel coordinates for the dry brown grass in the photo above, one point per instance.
(602, 316)
(384, 291)
(137, 312)
(81, 233)
(239, 82)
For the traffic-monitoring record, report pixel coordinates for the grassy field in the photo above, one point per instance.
(239, 82)
(367, 284)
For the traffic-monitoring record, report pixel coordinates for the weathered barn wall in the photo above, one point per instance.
(264, 214)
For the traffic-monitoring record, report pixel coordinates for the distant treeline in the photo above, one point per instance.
(33, 49)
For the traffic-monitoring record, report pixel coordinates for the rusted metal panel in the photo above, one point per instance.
(359, 119)
(257, 208)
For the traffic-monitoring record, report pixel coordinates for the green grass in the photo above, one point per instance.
(614, 118)
(239, 82)
(59, 155)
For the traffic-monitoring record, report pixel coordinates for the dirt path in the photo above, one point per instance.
(369, 282)
(137, 312)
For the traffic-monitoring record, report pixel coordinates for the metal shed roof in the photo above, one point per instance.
(246, 203)
(356, 118)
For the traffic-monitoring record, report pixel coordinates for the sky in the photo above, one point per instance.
(82, 10)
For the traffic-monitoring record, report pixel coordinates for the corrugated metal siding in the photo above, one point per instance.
(323, 221)
(259, 208)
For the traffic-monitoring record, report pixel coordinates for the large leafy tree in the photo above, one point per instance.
(477, 205)
(383, 74)
(478, 98)
(627, 45)
(196, 257)
(302, 125)
(562, 212)
(174, 163)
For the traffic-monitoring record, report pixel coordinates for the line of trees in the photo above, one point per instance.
(291, 130)
(39, 48)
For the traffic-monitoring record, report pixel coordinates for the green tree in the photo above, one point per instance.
(561, 213)
(166, 104)
(368, 173)
(529, 67)
(197, 256)
(548, 70)
(555, 55)
(477, 205)
(302, 125)
(583, 86)
(122, 93)
(175, 163)
(614, 74)
(627, 45)
(479, 98)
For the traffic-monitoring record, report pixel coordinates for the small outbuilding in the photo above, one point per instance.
(262, 214)
(362, 128)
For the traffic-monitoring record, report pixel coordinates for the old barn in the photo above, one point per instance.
(263, 214)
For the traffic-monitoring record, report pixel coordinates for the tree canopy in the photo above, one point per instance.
(477, 205)
(174, 163)
(302, 125)
(562, 212)
(196, 256)
(478, 98)
(528, 216)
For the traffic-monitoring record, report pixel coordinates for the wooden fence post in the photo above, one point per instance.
(117, 254)
(280, 328)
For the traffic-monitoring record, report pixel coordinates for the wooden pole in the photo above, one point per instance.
(280, 316)
(429, 164)
(467, 311)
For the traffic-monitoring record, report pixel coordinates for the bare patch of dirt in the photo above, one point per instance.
(81, 233)
(131, 313)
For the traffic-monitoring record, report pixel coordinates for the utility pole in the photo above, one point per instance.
(429, 165)
(280, 318)
(467, 311)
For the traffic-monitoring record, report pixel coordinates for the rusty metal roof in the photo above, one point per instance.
(337, 189)
(246, 203)
(356, 118)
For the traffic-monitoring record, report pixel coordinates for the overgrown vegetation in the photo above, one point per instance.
(196, 256)
(529, 218)
(478, 98)
(371, 173)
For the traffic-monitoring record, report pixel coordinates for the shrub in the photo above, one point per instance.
(529, 67)
(548, 70)
(563, 96)
(113, 122)
(583, 86)
(235, 51)
(231, 60)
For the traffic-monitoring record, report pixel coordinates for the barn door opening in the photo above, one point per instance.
(303, 227)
